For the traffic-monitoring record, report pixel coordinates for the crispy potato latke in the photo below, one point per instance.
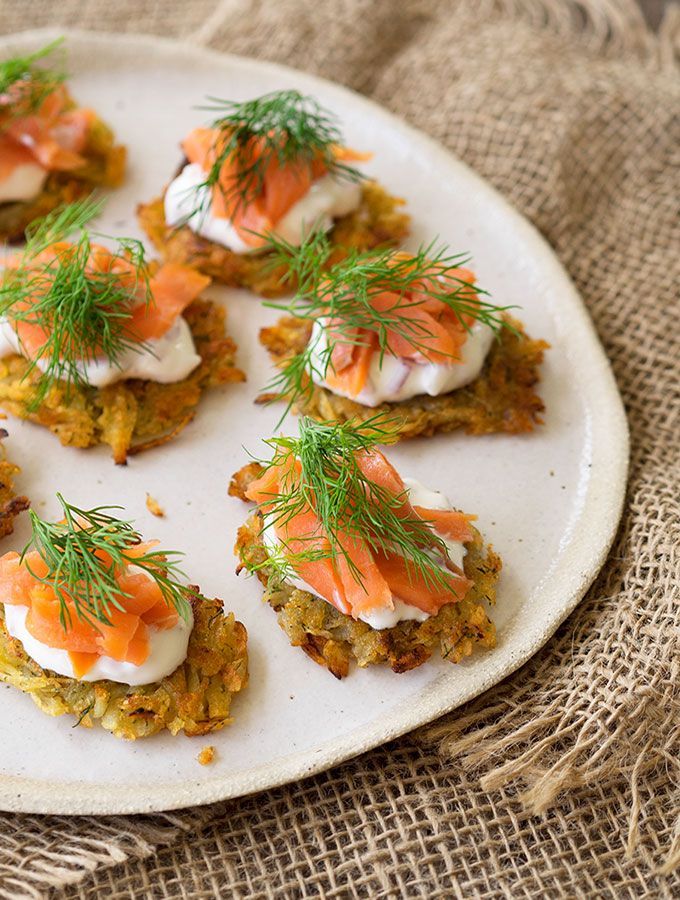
(501, 399)
(195, 698)
(377, 222)
(333, 639)
(10, 504)
(132, 415)
(105, 167)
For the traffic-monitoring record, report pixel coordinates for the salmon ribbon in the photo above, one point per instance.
(171, 289)
(53, 136)
(126, 639)
(385, 576)
(277, 189)
(429, 329)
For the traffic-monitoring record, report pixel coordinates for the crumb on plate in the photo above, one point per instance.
(154, 507)
(207, 755)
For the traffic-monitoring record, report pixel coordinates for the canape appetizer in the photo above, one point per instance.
(357, 561)
(52, 151)
(411, 335)
(101, 346)
(97, 623)
(277, 165)
(10, 504)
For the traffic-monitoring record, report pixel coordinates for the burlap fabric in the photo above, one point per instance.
(563, 781)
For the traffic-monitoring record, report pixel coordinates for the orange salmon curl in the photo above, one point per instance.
(53, 135)
(429, 332)
(125, 639)
(171, 288)
(384, 576)
(271, 195)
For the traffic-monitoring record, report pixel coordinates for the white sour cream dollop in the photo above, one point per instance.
(166, 359)
(388, 618)
(398, 379)
(167, 650)
(24, 182)
(188, 203)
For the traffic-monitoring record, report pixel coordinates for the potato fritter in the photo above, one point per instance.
(105, 167)
(10, 504)
(501, 399)
(195, 698)
(377, 222)
(132, 415)
(333, 639)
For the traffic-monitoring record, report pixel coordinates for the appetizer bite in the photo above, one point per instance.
(357, 561)
(101, 346)
(10, 504)
(98, 624)
(273, 165)
(410, 335)
(52, 151)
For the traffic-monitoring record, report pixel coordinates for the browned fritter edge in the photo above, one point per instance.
(377, 222)
(501, 399)
(11, 505)
(130, 416)
(195, 698)
(333, 639)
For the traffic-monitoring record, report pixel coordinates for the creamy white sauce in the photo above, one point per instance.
(24, 182)
(388, 618)
(167, 650)
(166, 359)
(394, 379)
(419, 495)
(327, 199)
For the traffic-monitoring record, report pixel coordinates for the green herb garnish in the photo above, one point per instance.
(36, 81)
(86, 582)
(346, 502)
(344, 292)
(289, 128)
(84, 313)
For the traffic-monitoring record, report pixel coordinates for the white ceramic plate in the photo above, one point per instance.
(549, 502)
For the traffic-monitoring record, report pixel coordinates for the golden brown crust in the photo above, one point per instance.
(377, 222)
(105, 167)
(10, 504)
(501, 399)
(195, 698)
(133, 415)
(333, 639)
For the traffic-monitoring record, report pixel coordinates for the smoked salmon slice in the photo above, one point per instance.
(448, 523)
(12, 155)
(54, 135)
(301, 535)
(355, 576)
(411, 587)
(428, 331)
(125, 639)
(269, 196)
(172, 288)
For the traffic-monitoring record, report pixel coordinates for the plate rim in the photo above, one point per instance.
(21, 794)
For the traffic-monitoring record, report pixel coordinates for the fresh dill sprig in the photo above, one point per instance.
(288, 127)
(348, 504)
(345, 291)
(35, 81)
(83, 311)
(86, 552)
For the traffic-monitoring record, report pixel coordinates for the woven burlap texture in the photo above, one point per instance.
(562, 781)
